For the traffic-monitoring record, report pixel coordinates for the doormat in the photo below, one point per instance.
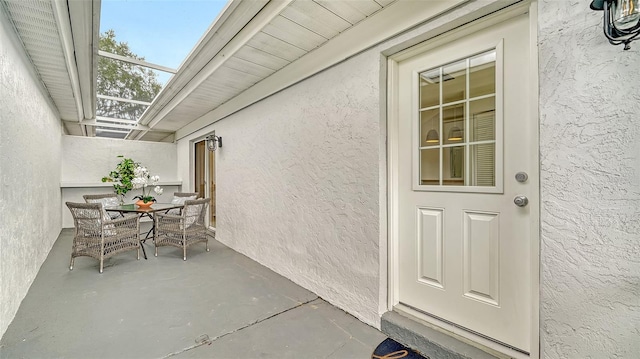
(391, 349)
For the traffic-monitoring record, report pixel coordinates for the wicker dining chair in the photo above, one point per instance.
(94, 198)
(185, 194)
(182, 230)
(179, 198)
(107, 200)
(100, 237)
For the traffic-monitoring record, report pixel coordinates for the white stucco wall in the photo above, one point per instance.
(590, 187)
(88, 159)
(297, 184)
(30, 156)
(85, 160)
(301, 178)
(300, 174)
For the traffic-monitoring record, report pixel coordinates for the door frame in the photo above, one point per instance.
(393, 60)
(192, 170)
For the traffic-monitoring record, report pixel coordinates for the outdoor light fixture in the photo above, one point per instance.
(213, 141)
(621, 20)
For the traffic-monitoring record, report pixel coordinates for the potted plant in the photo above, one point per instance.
(145, 181)
(123, 175)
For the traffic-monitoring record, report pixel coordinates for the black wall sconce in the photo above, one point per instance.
(213, 141)
(621, 20)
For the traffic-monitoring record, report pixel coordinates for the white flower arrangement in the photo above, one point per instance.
(143, 180)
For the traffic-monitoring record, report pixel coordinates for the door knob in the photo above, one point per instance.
(521, 201)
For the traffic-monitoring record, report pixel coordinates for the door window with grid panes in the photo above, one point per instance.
(457, 125)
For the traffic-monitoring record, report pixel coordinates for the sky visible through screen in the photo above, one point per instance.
(161, 31)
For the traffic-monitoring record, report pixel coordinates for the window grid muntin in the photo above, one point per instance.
(466, 120)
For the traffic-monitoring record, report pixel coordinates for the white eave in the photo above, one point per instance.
(258, 48)
(253, 49)
(252, 41)
(58, 37)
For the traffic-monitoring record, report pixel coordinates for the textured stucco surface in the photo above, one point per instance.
(308, 203)
(590, 187)
(87, 159)
(30, 157)
(297, 184)
(301, 179)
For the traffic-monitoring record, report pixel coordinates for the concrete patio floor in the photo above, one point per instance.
(219, 304)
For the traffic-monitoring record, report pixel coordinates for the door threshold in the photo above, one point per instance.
(434, 341)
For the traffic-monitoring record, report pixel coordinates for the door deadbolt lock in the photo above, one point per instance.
(522, 177)
(521, 201)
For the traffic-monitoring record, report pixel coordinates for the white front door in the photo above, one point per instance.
(464, 131)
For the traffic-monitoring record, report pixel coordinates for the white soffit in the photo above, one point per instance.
(285, 43)
(279, 34)
(36, 27)
(253, 49)
(392, 20)
(58, 37)
(231, 20)
(73, 128)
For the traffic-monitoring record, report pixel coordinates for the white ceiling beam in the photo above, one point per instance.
(85, 20)
(111, 131)
(63, 22)
(124, 100)
(95, 123)
(136, 61)
(262, 19)
(113, 119)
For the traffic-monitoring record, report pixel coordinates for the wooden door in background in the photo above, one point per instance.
(205, 177)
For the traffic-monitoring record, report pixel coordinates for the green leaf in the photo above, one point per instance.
(123, 174)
